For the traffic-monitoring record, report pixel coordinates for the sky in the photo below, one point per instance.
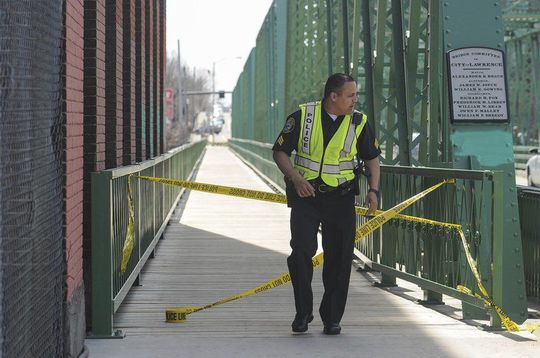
(217, 31)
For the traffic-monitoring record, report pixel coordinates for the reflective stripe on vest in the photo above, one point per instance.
(337, 169)
(307, 163)
(349, 139)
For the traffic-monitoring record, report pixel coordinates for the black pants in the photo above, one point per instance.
(336, 214)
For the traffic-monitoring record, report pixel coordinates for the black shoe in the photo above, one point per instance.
(332, 328)
(300, 323)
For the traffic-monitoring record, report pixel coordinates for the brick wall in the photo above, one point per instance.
(157, 63)
(163, 52)
(123, 68)
(140, 80)
(73, 111)
(129, 27)
(94, 120)
(149, 77)
(73, 158)
(113, 83)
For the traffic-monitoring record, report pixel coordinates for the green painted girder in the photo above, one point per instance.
(489, 146)
(397, 51)
(523, 80)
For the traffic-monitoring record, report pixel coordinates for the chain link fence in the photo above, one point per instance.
(31, 208)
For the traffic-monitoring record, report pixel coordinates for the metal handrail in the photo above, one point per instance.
(434, 260)
(153, 206)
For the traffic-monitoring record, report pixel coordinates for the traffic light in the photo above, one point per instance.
(221, 94)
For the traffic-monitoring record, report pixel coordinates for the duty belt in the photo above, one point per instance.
(325, 189)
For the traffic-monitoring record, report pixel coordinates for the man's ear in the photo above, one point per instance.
(333, 96)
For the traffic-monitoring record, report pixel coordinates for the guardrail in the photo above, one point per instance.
(153, 203)
(432, 256)
(529, 214)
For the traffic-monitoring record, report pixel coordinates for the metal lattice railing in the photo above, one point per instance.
(432, 255)
(428, 255)
(153, 203)
(529, 209)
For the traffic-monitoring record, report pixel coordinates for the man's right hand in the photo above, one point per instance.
(303, 188)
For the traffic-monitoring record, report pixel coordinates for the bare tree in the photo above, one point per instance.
(193, 79)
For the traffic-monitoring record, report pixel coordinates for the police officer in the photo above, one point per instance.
(328, 137)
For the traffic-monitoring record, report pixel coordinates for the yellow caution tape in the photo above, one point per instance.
(178, 314)
(505, 320)
(130, 235)
(220, 189)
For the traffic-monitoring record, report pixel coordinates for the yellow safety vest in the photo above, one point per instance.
(335, 163)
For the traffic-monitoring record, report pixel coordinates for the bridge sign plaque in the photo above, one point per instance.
(477, 85)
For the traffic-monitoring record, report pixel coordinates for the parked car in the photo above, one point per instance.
(533, 168)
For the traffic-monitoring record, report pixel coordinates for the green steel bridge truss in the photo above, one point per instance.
(522, 38)
(396, 49)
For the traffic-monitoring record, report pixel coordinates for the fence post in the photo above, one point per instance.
(102, 300)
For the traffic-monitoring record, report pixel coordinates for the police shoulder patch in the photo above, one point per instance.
(289, 125)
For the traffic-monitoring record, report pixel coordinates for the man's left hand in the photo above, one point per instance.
(371, 203)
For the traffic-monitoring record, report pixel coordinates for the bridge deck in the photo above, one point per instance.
(217, 246)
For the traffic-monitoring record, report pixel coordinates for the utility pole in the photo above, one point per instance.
(180, 102)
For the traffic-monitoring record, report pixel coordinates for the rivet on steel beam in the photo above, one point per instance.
(518, 265)
(445, 4)
(516, 249)
(520, 281)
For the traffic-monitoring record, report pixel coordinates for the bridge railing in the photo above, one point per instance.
(432, 255)
(153, 206)
(529, 214)
(428, 255)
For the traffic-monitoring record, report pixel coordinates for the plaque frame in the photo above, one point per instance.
(453, 120)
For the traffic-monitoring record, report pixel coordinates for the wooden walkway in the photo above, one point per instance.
(216, 246)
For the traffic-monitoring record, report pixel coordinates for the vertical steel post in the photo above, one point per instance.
(102, 296)
(489, 145)
(400, 78)
(368, 64)
(345, 23)
(329, 35)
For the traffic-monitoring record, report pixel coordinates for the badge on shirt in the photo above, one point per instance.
(289, 125)
(280, 140)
